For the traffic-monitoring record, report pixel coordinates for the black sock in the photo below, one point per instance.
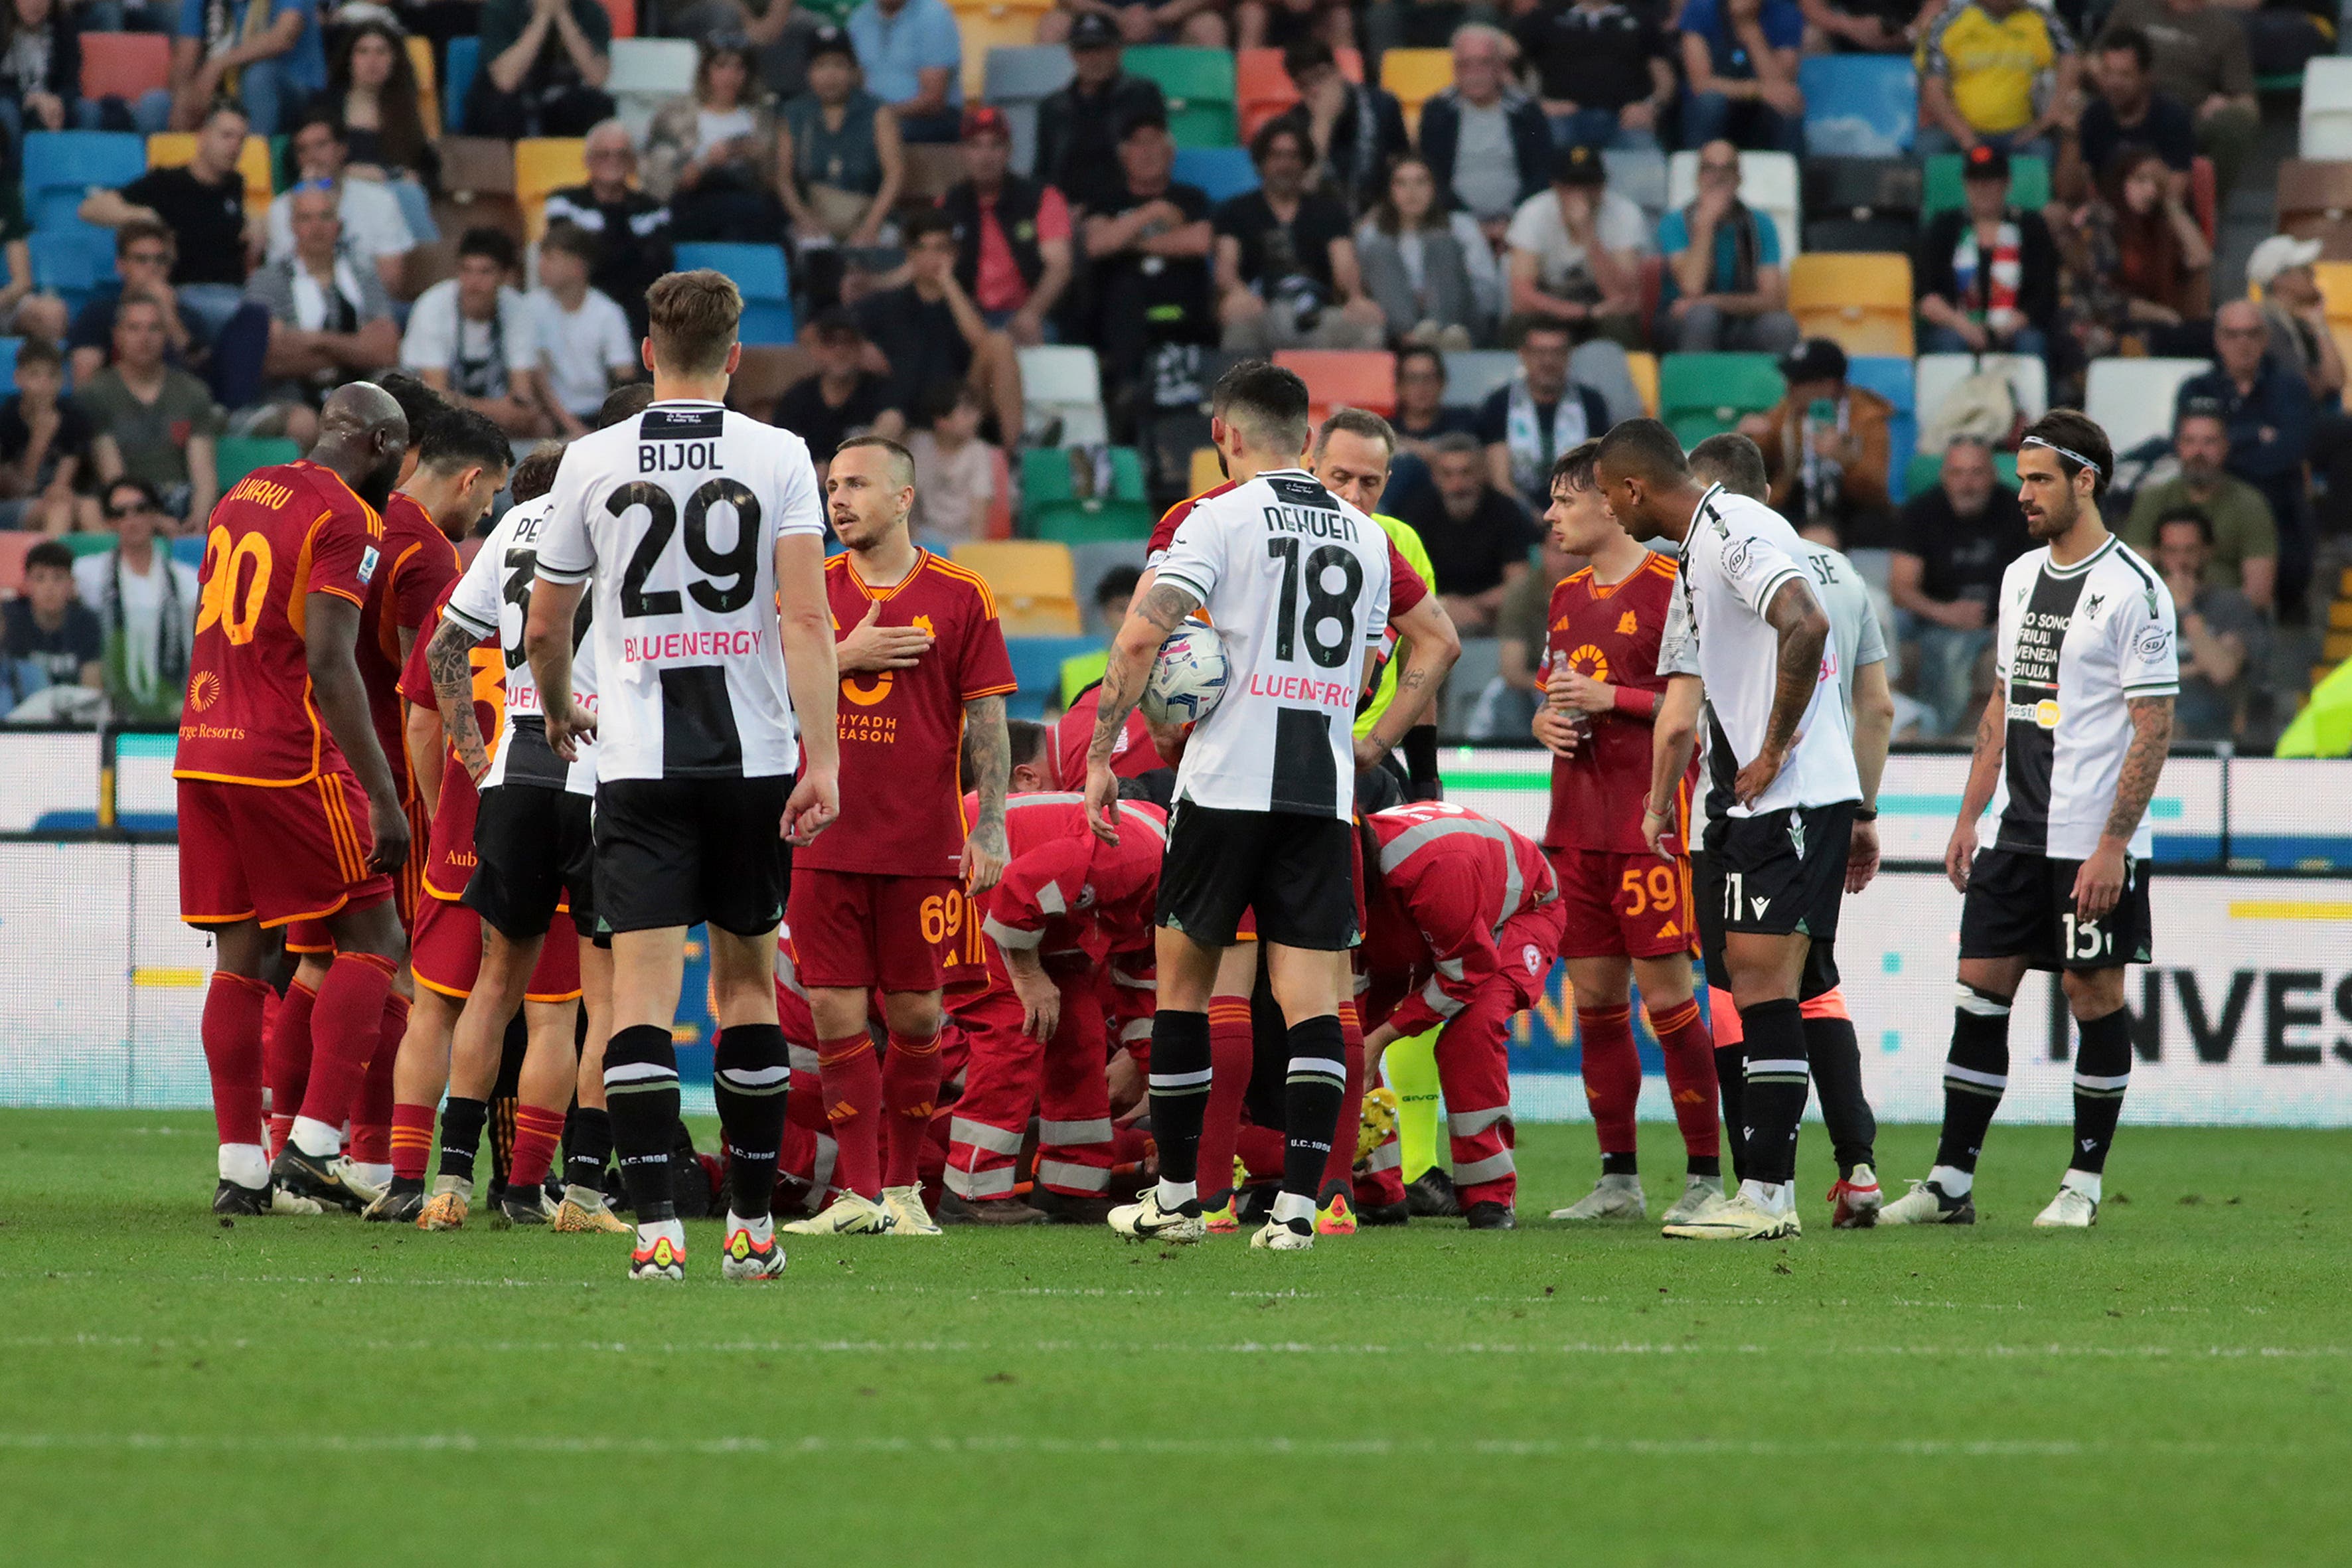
(1180, 1070)
(2103, 1063)
(1706, 1165)
(587, 1145)
(1619, 1166)
(1318, 1082)
(750, 1073)
(461, 1136)
(1420, 748)
(1778, 1081)
(1731, 1083)
(505, 1096)
(1976, 1072)
(1836, 1058)
(407, 1186)
(641, 1095)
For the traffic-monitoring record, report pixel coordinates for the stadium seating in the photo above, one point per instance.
(14, 547)
(2029, 185)
(59, 167)
(648, 73)
(2314, 202)
(1207, 473)
(429, 103)
(1644, 367)
(1863, 301)
(762, 274)
(1200, 88)
(72, 260)
(1926, 468)
(1473, 374)
(463, 59)
(987, 25)
(1705, 394)
(1220, 172)
(624, 18)
(237, 456)
(1037, 671)
(124, 65)
(1416, 76)
(1639, 174)
(1019, 77)
(1934, 375)
(2132, 398)
(1889, 376)
(8, 347)
(763, 372)
(545, 164)
(1264, 87)
(2327, 114)
(1063, 381)
(1056, 506)
(1344, 378)
(1768, 184)
(1859, 106)
(1035, 581)
(1861, 204)
(173, 149)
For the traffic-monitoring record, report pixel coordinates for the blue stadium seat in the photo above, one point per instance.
(1222, 171)
(1037, 669)
(760, 271)
(60, 166)
(72, 260)
(465, 59)
(1891, 377)
(1859, 106)
(8, 347)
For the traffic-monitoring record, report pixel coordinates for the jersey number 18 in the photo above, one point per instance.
(1322, 606)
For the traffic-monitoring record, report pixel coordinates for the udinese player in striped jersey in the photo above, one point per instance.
(2068, 753)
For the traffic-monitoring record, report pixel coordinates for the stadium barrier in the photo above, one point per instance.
(2244, 1018)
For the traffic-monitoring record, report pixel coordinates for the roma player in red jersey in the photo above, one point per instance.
(922, 659)
(1630, 916)
(288, 809)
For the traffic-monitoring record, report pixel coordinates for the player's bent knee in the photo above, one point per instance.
(2092, 993)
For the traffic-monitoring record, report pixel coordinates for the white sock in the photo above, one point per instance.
(375, 1175)
(1175, 1194)
(316, 1138)
(1772, 1197)
(763, 1229)
(245, 1164)
(1862, 1176)
(1288, 1206)
(674, 1229)
(1954, 1182)
(2083, 1182)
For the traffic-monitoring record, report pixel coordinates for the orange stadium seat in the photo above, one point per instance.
(1263, 88)
(124, 65)
(1344, 378)
(176, 149)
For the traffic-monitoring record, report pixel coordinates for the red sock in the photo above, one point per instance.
(412, 1141)
(1689, 1049)
(1340, 1166)
(345, 1024)
(372, 1117)
(1231, 1052)
(536, 1133)
(232, 1036)
(285, 1060)
(910, 1089)
(853, 1103)
(1612, 1073)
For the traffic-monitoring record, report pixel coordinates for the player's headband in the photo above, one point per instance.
(2077, 457)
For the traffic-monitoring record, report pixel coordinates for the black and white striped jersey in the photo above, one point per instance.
(492, 600)
(676, 513)
(2076, 644)
(1295, 582)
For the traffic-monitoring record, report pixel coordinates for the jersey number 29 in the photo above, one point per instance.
(738, 564)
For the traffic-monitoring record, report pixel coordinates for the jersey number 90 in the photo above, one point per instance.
(738, 565)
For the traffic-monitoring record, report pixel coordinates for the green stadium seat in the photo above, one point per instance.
(1046, 476)
(2029, 185)
(239, 456)
(1705, 394)
(1200, 88)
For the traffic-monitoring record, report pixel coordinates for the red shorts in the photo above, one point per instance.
(1624, 905)
(852, 929)
(276, 853)
(408, 889)
(447, 953)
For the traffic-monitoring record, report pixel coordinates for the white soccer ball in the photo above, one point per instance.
(1187, 677)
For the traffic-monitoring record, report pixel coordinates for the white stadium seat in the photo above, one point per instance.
(1934, 375)
(2132, 398)
(1768, 184)
(2326, 130)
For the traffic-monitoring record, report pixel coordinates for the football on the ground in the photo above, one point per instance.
(1188, 676)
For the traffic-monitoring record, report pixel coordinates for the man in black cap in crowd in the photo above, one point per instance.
(1826, 446)
(1149, 246)
(1072, 125)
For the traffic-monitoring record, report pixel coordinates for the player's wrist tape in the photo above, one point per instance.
(1866, 814)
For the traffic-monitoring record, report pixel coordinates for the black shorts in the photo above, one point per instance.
(1820, 976)
(1295, 873)
(532, 849)
(678, 852)
(2022, 905)
(1782, 873)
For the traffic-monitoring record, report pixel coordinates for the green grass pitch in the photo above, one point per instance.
(2174, 1388)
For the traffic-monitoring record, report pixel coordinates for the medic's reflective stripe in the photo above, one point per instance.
(1094, 1130)
(981, 1135)
(1470, 1123)
(1492, 1168)
(1082, 1178)
(995, 1183)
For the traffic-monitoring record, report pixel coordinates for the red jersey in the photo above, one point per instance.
(1132, 754)
(1449, 880)
(281, 534)
(1610, 632)
(1405, 587)
(418, 567)
(450, 850)
(902, 730)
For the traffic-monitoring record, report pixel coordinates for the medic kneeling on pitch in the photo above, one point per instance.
(1463, 922)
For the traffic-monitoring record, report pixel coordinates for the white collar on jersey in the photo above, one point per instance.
(2050, 562)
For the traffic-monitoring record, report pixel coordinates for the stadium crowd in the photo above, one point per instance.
(1007, 233)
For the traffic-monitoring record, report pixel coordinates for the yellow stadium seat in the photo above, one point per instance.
(1859, 299)
(176, 149)
(428, 97)
(1644, 367)
(1035, 583)
(542, 164)
(986, 24)
(1416, 76)
(1207, 473)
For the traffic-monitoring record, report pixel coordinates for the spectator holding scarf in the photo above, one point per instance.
(1987, 272)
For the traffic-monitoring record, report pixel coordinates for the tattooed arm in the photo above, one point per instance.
(449, 660)
(1159, 612)
(2100, 883)
(1984, 771)
(1430, 647)
(988, 750)
(1803, 628)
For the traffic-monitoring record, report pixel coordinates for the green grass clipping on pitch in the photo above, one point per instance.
(2174, 1388)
